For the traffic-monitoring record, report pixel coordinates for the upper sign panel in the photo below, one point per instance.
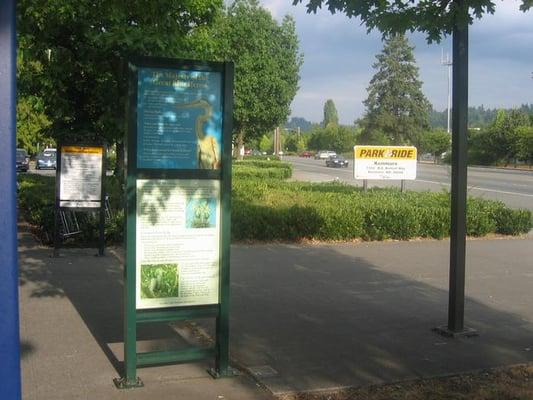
(179, 119)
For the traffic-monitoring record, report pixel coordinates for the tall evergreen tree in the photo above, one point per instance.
(397, 111)
(330, 114)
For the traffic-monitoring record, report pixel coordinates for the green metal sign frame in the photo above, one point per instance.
(133, 316)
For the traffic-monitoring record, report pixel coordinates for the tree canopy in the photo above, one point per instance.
(434, 18)
(330, 114)
(397, 112)
(267, 64)
(79, 51)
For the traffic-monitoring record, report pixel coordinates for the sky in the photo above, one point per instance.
(339, 54)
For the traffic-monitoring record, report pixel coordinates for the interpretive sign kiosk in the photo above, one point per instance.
(178, 205)
(80, 185)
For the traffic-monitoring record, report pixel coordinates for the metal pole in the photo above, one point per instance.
(450, 63)
(222, 367)
(9, 313)
(57, 203)
(459, 177)
(101, 227)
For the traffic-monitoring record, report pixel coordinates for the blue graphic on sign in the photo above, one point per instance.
(179, 119)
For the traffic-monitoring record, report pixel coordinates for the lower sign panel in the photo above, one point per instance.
(178, 242)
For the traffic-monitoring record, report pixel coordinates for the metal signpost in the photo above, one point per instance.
(9, 314)
(178, 205)
(384, 163)
(80, 176)
(456, 301)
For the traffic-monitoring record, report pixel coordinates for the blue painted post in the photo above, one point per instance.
(9, 316)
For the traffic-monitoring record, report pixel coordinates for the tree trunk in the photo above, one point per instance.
(238, 150)
(119, 164)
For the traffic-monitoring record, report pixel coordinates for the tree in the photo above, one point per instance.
(396, 106)
(81, 50)
(267, 65)
(32, 124)
(435, 18)
(435, 142)
(504, 131)
(330, 114)
(293, 142)
(266, 144)
(333, 137)
(525, 143)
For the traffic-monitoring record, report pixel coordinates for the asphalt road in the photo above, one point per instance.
(513, 187)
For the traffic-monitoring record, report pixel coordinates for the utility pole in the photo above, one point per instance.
(447, 62)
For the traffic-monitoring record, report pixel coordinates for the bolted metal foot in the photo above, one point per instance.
(229, 373)
(123, 383)
(465, 332)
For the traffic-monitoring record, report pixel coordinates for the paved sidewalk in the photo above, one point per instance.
(71, 335)
(303, 317)
(336, 315)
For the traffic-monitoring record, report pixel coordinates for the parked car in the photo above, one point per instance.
(23, 161)
(306, 154)
(324, 154)
(46, 159)
(337, 161)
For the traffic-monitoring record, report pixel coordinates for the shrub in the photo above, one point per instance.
(266, 207)
(262, 169)
(512, 222)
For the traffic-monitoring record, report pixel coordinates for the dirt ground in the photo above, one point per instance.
(509, 383)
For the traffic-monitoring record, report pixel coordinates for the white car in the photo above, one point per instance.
(324, 154)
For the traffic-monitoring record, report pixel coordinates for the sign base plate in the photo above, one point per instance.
(124, 383)
(465, 332)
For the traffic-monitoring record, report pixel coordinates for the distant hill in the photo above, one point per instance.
(478, 117)
(296, 122)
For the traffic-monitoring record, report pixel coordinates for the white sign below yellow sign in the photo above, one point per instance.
(385, 162)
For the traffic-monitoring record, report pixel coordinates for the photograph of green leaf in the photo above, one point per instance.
(159, 281)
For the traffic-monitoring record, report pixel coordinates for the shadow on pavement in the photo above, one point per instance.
(327, 316)
(324, 317)
(94, 286)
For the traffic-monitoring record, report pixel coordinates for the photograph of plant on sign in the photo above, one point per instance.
(201, 213)
(159, 281)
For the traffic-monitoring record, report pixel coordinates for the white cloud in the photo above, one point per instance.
(338, 58)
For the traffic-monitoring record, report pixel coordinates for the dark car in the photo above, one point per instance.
(23, 160)
(336, 161)
(46, 159)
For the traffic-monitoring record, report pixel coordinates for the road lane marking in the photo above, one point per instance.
(478, 188)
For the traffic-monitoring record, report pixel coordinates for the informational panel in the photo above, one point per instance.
(385, 162)
(80, 176)
(178, 233)
(179, 119)
(178, 211)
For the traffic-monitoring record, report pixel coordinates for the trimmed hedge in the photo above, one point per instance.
(36, 201)
(272, 209)
(266, 207)
(260, 169)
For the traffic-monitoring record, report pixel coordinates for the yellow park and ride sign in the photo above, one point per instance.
(385, 162)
